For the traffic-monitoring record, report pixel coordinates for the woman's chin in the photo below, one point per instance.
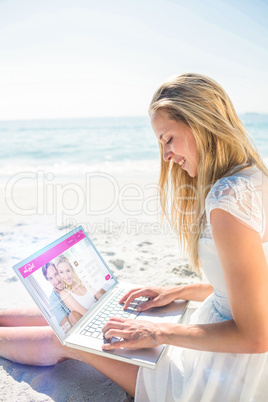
(191, 172)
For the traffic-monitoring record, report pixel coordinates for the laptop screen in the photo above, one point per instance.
(66, 279)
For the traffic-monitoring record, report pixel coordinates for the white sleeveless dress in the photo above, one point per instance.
(186, 375)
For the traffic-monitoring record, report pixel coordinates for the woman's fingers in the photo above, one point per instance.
(114, 329)
(118, 327)
(114, 322)
(117, 345)
(129, 333)
(148, 304)
(126, 296)
(120, 319)
(131, 296)
(115, 333)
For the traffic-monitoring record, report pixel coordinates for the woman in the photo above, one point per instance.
(74, 295)
(217, 185)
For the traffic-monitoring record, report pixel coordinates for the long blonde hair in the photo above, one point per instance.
(62, 258)
(223, 143)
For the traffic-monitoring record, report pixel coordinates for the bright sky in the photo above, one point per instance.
(87, 58)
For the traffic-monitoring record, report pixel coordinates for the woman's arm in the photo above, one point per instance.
(71, 303)
(246, 276)
(194, 291)
(161, 296)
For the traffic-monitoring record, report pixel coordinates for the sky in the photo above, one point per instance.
(84, 58)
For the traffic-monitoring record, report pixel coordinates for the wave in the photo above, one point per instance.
(78, 169)
(64, 168)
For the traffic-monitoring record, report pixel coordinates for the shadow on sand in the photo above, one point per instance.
(67, 381)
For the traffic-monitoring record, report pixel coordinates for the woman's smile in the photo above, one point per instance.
(177, 140)
(65, 272)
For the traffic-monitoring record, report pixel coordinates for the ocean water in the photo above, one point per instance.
(74, 146)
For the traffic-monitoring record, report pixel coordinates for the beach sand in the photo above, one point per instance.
(119, 212)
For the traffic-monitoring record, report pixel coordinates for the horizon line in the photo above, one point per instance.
(105, 117)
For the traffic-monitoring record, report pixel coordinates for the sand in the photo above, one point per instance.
(119, 212)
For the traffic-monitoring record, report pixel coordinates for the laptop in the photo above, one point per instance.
(77, 293)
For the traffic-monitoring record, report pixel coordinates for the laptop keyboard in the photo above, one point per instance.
(111, 309)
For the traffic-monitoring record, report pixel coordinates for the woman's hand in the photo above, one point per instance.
(160, 296)
(131, 334)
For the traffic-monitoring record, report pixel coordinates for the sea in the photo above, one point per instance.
(73, 146)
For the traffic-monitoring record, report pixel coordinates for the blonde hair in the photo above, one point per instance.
(224, 147)
(61, 259)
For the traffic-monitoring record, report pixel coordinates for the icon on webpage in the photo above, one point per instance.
(107, 277)
(29, 267)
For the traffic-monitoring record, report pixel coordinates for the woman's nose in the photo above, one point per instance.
(167, 155)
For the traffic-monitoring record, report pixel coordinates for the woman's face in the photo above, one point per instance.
(66, 272)
(177, 140)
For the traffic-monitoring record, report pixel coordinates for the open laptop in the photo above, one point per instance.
(77, 259)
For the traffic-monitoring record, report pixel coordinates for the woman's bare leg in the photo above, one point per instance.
(121, 373)
(40, 346)
(22, 317)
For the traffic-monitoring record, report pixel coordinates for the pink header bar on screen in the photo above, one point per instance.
(47, 256)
